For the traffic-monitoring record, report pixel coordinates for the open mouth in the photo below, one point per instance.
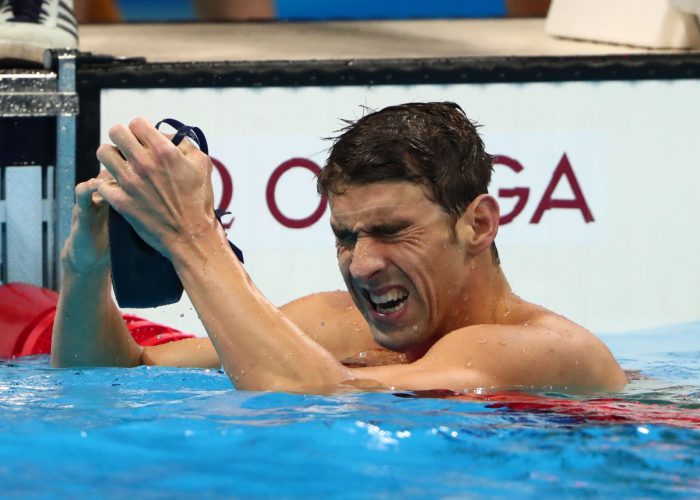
(387, 303)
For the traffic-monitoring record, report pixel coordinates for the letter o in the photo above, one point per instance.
(272, 203)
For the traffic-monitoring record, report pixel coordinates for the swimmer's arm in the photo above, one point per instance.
(164, 191)
(186, 353)
(259, 346)
(503, 357)
(328, 318)
(88, 328)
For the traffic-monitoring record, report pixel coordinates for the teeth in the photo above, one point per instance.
(388, 302)
(387, 310)
(388, 297)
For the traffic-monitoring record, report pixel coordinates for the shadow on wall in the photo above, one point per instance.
(300, 10)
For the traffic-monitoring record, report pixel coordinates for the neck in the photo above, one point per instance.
(486, 298)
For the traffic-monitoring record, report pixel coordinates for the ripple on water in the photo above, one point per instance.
(166, 432)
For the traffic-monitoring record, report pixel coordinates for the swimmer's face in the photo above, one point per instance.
(400, 260)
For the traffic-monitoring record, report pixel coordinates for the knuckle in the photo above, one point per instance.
(126, 182)
(165, 149)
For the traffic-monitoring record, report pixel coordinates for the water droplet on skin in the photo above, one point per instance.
(323, 323)
(415, 328)
(502, 342)
(469, 364)
(481, 341)
(349, 308)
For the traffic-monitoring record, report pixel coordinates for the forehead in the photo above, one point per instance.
(381, 200)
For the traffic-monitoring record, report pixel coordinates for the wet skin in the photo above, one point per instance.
(425, 284)
(402, 261)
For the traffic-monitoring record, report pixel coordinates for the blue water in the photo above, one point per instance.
(177, 433)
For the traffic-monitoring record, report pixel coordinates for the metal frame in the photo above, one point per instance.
(25, 97)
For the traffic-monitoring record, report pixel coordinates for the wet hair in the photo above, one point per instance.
(433, 144)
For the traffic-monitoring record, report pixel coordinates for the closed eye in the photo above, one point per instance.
(344, 238)
(347, 238)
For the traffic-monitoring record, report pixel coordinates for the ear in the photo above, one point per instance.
(480, 219)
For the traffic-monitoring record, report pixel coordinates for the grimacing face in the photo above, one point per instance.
(401, 261)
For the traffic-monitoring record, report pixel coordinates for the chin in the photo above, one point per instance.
(394, 341)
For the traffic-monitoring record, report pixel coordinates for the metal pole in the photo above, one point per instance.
(65, 160)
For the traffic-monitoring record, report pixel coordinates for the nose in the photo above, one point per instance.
(367, 259)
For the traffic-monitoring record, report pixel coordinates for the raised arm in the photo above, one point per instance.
(165, 192)
(88, 329)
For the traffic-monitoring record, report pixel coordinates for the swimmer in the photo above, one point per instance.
(427, 304)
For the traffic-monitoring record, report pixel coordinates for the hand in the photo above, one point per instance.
(163, 190)
(87, 246)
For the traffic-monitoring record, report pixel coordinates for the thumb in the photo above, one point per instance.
(85, 194)
(109, 191)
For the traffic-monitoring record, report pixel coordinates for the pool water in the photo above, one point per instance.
(181, 433)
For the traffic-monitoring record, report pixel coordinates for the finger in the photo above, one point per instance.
(87, 199)
(97, 198)
(187, 146)
(110, 191)
(114, 163)
(147, 134)
(104, 175)
(84, 192)
(125, 141)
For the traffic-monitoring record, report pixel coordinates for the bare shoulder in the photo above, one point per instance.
(542, 349)
(332, 320)
(313, 312)
(336, 300)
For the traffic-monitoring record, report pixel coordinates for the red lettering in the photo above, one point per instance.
(522, 193)
(272, 203)
(547, 202)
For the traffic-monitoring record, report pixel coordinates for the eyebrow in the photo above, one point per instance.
(382, 229)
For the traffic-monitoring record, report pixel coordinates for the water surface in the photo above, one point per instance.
(175, 433)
